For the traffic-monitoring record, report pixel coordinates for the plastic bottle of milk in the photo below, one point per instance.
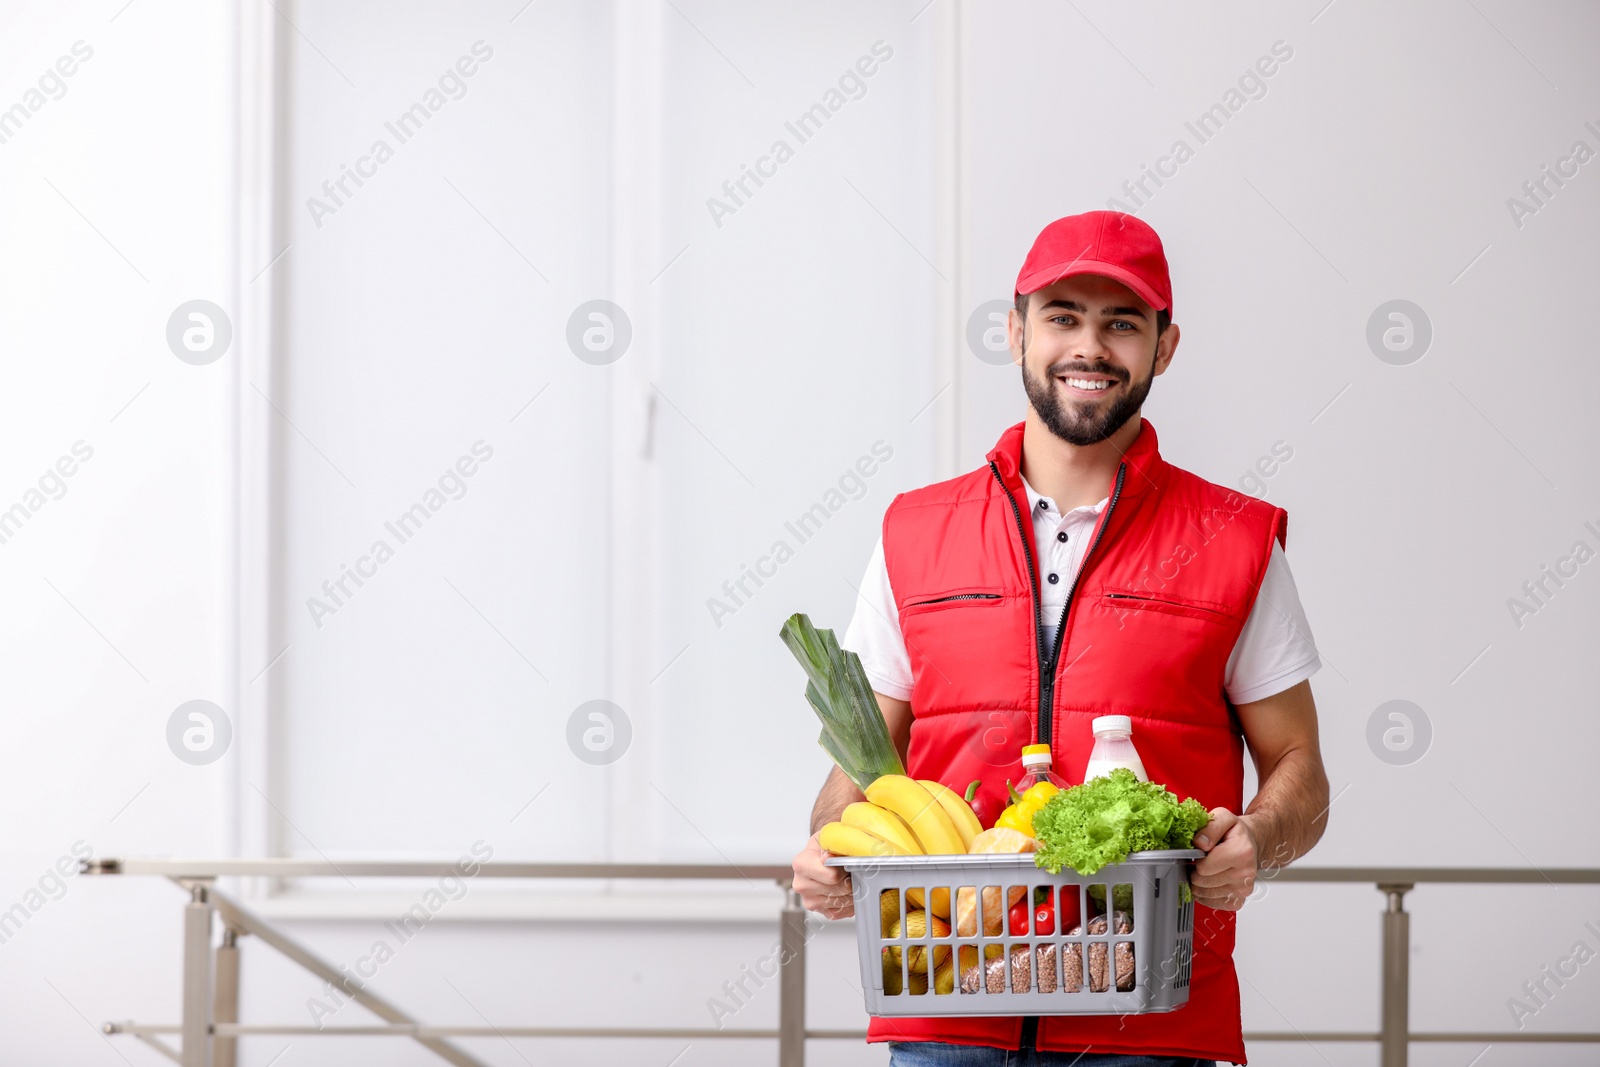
(1113, 748)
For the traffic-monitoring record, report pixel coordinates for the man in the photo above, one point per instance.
(1078, 574)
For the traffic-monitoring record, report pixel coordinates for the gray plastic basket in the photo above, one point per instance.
(1114, 967)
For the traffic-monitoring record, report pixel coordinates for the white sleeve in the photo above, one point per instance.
(1275, 649)
(874, 632)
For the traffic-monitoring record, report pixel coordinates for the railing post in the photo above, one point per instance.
(197, 1003)
(225, 1050)
(1395, 1033)
(792, 985)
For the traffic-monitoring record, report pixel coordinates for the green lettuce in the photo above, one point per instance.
(1099, 822)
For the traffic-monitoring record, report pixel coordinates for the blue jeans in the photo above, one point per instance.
(938, 1054)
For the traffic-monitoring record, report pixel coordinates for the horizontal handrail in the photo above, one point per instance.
(205, 1024)
(288, 867)
(306, 868)
(418, 1030)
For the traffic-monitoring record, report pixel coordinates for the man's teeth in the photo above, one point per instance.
(1088, 383)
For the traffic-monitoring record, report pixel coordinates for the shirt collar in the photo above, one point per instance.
(1034, 498)
(1146, 469)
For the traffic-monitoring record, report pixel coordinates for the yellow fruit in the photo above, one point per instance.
(908, 799)
(944, 979)
(1000, 839)
(960, 812)
(969, 954)
(843, 840)
(1040, 792)
(941, 900)
(888, 910)
(881, 822)
(891, 975)
(917, 926)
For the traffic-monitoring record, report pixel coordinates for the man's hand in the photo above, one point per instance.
(824, 890)
(1226, 875)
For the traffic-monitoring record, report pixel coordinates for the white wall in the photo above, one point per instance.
(769, 352)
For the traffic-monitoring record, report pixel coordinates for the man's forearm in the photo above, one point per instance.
(1290, 810)
(838, 792)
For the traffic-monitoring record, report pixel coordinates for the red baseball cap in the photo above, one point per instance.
(1112, 243)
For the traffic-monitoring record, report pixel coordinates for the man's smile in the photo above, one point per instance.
(1086, 385)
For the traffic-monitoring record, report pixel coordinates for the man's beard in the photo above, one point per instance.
(1083, 422)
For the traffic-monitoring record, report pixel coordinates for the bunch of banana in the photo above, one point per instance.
(902, 817)
(943, 823)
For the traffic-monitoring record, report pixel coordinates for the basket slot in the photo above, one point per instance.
(1042, 918)
(1122, 898)
(894, 975)
(965, 917)
(1072, 976)
(1097, 902)
(969, 980)
(890, 912)
(1069, 910)
(1019, 969)
(1046, 968)
(916, 971)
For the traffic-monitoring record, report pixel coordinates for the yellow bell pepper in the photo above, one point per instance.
(1040, 792)
(1019, 816)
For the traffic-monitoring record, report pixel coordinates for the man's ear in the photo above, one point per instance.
(1166, 348)
(1015, 327)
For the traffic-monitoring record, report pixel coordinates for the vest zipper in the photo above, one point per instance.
(1047, 664)
(958, 596)
(1033, 592)
(1048, 681)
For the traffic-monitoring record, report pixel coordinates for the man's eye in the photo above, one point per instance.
(1124, 322)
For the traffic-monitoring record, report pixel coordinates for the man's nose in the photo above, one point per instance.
(1090, 347)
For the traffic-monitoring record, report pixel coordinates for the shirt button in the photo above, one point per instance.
(1044, 505)
(1062, 536)
(1054, 579)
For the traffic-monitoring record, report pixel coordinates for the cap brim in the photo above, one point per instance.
(1047, 275)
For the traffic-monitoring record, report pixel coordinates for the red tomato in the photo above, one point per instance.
(1069, 907)
(1019, 918)
(1044, 917)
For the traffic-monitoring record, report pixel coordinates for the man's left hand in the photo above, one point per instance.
(1226, 875)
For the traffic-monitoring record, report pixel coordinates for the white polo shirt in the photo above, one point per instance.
(1274, 650)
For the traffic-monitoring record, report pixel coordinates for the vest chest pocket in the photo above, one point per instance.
(1120, 600)
(958, 598)
(970, 647)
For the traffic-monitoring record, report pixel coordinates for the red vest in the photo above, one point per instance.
(1168, 581)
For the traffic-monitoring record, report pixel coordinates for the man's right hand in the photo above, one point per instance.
(823, 889)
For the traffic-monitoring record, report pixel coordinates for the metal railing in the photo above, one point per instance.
(210, 1029)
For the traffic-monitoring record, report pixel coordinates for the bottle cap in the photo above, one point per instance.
(1035, 754)
(1117, 724)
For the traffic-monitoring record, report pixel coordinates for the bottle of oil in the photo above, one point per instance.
(1036, 768)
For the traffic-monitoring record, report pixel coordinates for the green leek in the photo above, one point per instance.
(853, 730)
